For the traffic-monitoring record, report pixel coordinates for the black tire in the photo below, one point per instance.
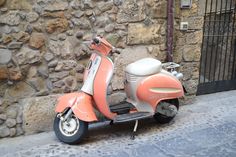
(163, 119)
(76, 138)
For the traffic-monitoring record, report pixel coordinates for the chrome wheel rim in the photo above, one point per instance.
(167, 109)
(69, 127)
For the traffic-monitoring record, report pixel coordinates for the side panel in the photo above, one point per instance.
(80, 103)
(91, 73)
(159, 87)
(88, 67)
(101, 83)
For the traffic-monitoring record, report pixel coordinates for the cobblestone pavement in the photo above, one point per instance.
(205, 128)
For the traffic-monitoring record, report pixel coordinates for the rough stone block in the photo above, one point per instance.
(37, 40)
(193, 38)
(2, 2)
(66, 65)
(1, 121)
(4, 131)
(5, 29)
(19, 5)
(22, 36)
(113, 39)
(32, 17)
(11, 112)
(191, 52)
(3, 116)
(177, 55)
(131, 11)
(155, 51)
(57, 6)
(10, 122)
(157, 10)
(38, 83)
(58, 76)
(143, 34)
(12, 132)
(105, 6)
(12, 18)
(190, 70)
(21, 90)
(57, 25)
(38, 113)
(19, 130)
(109, 28)
(5, 56)
(82, 23)
(3, 73)
(15, 45)
(63, 48)
(6, 38)
(28, 56)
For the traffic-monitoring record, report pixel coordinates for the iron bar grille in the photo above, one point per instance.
(217, 65)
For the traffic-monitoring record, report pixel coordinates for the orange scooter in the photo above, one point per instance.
(151, 92)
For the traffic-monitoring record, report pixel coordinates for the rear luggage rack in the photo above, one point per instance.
(170, 66)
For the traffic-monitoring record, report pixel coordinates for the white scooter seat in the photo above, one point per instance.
(144, 67)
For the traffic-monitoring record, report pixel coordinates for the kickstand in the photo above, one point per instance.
(111, 122)
(135, 130)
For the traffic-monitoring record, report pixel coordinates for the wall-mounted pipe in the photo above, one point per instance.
(170, 30)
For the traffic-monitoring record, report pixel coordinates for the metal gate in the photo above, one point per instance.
(218, 58)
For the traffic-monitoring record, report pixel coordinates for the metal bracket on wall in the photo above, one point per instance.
(185, 4)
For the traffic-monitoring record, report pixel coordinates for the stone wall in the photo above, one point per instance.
(42, 49)
(187, 49)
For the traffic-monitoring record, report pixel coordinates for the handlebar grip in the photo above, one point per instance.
(96, 41)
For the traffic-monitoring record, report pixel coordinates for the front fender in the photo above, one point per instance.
(80, 103)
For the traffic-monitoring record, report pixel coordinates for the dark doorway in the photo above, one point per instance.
(218, 54)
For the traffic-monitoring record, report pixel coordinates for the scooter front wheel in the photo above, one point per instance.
(70, 131)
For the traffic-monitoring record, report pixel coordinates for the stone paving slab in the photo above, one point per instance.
(205, 128)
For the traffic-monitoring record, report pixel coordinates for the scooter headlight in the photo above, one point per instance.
(176, 74)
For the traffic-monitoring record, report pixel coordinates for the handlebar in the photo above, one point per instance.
(96, 41)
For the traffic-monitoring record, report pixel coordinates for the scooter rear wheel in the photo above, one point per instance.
(70, 131)
(162, 118)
